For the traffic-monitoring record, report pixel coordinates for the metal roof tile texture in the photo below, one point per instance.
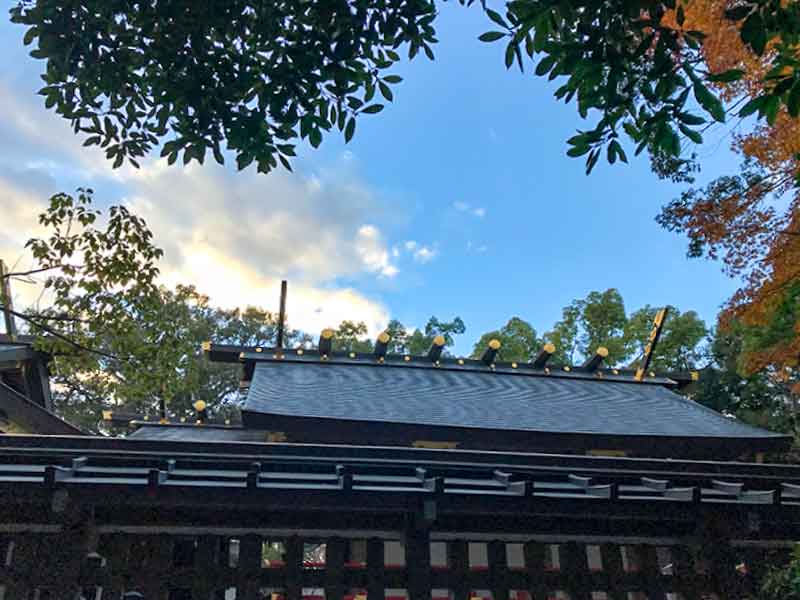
(483, 400)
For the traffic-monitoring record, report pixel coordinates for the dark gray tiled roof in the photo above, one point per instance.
(487, 400)
(194, 433)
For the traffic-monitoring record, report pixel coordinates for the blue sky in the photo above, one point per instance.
(457, 199)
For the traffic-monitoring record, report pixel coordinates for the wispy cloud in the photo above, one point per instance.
(421, 253)
(476, 248)
(475, 211)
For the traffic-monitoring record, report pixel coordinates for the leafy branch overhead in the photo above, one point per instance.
(254, 77)
(642, 72)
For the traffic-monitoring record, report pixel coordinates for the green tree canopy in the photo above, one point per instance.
(350, 336)
(518, 341)
(679, 348)
(257, 77)
(588, 323)
(251, 76)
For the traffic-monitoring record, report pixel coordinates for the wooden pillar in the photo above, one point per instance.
(294, 568)
(576, 571)
(159, 564)
(334, 569)
(615, 574)
(534, 564)
(498, 570)
(206, 567)
(249, 569)
(651, 573)
(458, 559)
(418, 561)
(687, 579)
(375, 587)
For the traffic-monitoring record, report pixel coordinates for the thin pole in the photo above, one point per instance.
(281, 315)
(8, 304)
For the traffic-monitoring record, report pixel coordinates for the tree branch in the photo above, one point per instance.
(60, 336)
(33, 271)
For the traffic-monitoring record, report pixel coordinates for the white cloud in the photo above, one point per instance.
(424, 254)
(477, 211)
(371, 248)
(420, 253)
(233, 235)
(477, 248)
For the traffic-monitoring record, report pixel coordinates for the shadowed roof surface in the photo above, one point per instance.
(483, 400)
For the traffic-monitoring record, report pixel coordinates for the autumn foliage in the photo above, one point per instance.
(750, 221)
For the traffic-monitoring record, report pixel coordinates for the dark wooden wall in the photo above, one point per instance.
(170, 566)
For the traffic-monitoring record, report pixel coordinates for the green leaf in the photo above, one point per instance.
(710, 103)
(738, 13)
(578, 151)
(30, 35)
(754, 33)
(491, 36)
(495, 16)
(393, 79)
(386, 92)
(592, 160)
(793, 101)
(315, 137)
(285, 163)
(727, 76)
(751, 107)
(545, 65)
(349, 130)
(510, 54)
(690, 119)
(372, 109)
(218, 154)
(771, 106)
(693, 135)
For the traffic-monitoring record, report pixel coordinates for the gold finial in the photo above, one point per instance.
(384, 337)
(327, 333)
(406, 358)
(494, 344)
(300, 352)
(200, 405)
(259, 350)
(439, 340)
(513, 365)
(352, 355)
(550, 348)
(461, 361)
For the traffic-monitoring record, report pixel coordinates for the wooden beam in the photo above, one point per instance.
(7, 301)
(281, 316)
(652, 342)
(541, 359)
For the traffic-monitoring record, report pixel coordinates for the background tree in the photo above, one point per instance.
(117, 339)
(597, 320)
(679, 348)
(251, 76)
(350, 336)
(518, 340)
(419, 341)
